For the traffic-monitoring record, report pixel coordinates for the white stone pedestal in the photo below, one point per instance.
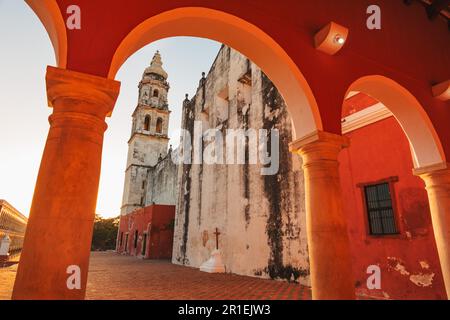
(214, 264)
(4, 248)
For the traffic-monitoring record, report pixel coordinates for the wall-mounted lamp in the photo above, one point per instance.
(441, 91)
(331, 38)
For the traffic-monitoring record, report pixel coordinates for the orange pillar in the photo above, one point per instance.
(59, 232)
(328, 242)
(437, 183)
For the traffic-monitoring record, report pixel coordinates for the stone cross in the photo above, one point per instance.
(217, 233)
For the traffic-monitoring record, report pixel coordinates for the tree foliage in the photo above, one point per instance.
(105, 233)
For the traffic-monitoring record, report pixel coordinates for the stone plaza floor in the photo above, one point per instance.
(112, 276)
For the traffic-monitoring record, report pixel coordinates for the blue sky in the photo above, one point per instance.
(24, 54)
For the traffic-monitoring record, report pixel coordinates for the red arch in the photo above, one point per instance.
(242, 36)
(50, 16)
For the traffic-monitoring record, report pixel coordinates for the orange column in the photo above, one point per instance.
(437, 183)
(328, 242)
(58, 236)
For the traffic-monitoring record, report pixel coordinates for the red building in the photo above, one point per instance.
(147, 232)
(388, 215)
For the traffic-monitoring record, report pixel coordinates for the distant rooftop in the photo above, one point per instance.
(4, 203)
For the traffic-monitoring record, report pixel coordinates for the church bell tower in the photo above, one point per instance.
(149, 139)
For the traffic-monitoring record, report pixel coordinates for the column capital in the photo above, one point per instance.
(320, 145)
(434, 169)
(436, 178)
(82, 93)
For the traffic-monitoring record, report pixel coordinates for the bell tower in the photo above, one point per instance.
(149, 134)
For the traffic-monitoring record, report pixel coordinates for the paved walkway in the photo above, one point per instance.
(7, 276)
(113, 276)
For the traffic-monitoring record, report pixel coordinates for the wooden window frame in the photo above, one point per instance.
(391, 183)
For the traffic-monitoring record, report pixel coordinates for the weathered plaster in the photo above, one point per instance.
(260, 218)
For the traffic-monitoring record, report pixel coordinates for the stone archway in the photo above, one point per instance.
(240, 35)
(50, 16)
(61, 214)
(426, 148)
(64, 201)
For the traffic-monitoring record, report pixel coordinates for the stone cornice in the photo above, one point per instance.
(154, 136)
(140, 166)
(350, 123)
(365, 117)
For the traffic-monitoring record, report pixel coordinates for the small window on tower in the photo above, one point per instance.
(159, 124)
(147, 123)
(155, 93)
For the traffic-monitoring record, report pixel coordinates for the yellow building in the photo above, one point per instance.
(12, 224)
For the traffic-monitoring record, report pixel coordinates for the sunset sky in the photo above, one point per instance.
(24, 54)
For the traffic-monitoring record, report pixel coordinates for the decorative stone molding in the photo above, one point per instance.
(432, 168)
(316, 137)
(83, 89)
(365, 117)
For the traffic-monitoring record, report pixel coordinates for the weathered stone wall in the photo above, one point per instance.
(162, 183)
(261, 219)
(134, 188)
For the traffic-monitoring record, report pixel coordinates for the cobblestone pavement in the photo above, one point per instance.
(112, 276)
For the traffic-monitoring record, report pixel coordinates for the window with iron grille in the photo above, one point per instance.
(379, 209)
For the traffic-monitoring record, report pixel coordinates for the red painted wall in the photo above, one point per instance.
(157, 221)
(409, 48)
(376, 152)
